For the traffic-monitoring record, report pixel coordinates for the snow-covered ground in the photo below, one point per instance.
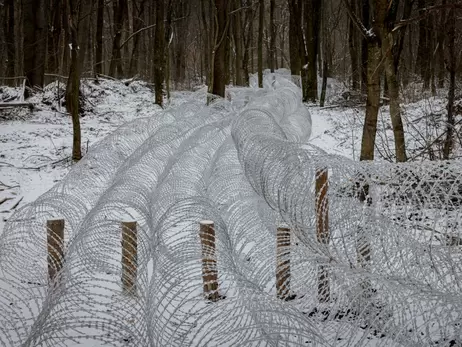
(35, 147)
(35, 150)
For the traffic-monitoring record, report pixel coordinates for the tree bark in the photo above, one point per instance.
(440, 50)
(365, 15)
(353, 47)
(120, 9)
(99, 67)
(181, 10)
(238, 43)
(35, 41)
(272, 50)
(159, 53)
(373, 101)
(260, 42)
(247, 35)
(219, 56)
(312, 15)
(137, 25)
(10, 38)
(423, 52)
(73, 82)
(398, 47)
(386, 15)
(451, 66)
(295, 28)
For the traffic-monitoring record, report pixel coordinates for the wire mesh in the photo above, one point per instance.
(374, 261)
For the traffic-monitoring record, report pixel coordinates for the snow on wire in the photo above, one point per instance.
(393, 258)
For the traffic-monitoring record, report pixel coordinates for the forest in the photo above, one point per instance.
(378, 49)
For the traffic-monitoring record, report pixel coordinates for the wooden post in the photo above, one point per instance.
(283, 263)
(129, 257)
(322, 230)
(55, 245)
(209, 260)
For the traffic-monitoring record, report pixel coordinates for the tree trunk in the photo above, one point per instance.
(238, 43)
(10, 38)
(324, 83)
(207, 44)
(120, 8)
(423, 52)
(365, 14)
(398, 47)
(159, 53)
(181, 11)
(219, 57)
(99, 67)
(260, 43)
(312, 15)
(73, 82)
(168, 34)
(386, 16)
(451, 65)
(440, 49)
(373, 101)
(247, 35)
(353, 47)
(85, 13)
(35, 46)
(393, 92)
(295, 28)
(137, 25)
(272, 50)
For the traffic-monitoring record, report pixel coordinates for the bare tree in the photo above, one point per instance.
(312, 14)
(295, 36)
(159, 53)
(386, 13)
(73, 82)
(365, 18)
(219, 50)
(238, 42)
(354, 50)
(261, 6)
(272, 28)
(120, 11)
(35, 41)
(9, 38)
(451, 66)
(99, 67)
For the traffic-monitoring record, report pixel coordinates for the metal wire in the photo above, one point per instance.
(392, 258)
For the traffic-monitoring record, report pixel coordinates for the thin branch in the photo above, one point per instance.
(426, 13)
(136, 33)
(357, 21)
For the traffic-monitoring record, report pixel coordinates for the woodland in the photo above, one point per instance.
(378, 49)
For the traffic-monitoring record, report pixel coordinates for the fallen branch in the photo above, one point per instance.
(8, 186)
(16, 104)
(4, 200)
(17, 203)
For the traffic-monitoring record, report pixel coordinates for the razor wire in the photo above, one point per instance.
(392, 256)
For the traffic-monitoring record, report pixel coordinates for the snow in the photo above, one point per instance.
(35, 148)
(34, 158)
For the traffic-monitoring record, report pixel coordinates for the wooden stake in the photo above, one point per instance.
(129, 257)
(283, 263)
(209, 260)
(55, 245)
(322, 230)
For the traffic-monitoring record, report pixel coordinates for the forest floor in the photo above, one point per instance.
(35, 146)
